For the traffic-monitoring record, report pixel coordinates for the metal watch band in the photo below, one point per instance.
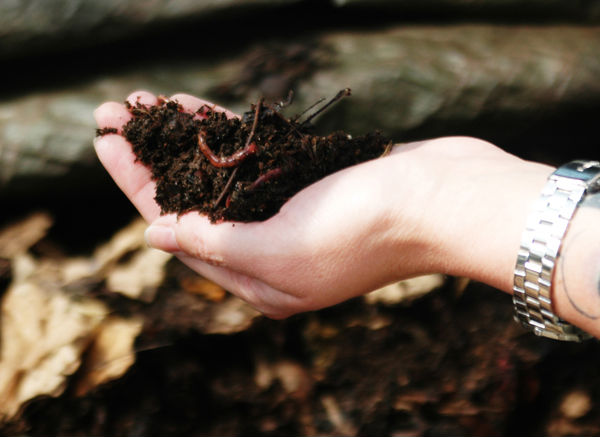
(540, 244)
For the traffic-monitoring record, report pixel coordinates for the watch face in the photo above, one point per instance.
(586, 171)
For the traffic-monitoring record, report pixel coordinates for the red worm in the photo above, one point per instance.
(267, 176)
(225, 161)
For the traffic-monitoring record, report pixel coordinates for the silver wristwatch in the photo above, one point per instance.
(540, 244)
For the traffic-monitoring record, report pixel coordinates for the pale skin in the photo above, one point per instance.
(454, 205)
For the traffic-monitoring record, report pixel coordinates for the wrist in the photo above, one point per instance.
(493, 227)
(473, 207)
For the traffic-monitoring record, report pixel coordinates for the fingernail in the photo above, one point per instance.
(161, 237)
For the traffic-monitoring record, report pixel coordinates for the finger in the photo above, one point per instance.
(116, 115)
(116, 155)
(112, 115)
(192, 104)
(142, 97)
(133, 178)
(246, 286)
(245, 247)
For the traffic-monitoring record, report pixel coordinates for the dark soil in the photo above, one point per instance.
(430, 368)
(106, 131)
(258, 161)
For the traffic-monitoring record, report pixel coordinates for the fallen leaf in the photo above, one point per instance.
(44, 333)
(459, 407)
(5, 272)
(47, 323)
(405, 290)
(294, 379)
(576, 404)
(140, 277)
(18, 237)
(203, 287)
(341, 423)
(460, 284)
(230, 316)
(127, 240)
(110, 354)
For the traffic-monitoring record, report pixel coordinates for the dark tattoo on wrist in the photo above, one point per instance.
(590, 201)
(563, 259)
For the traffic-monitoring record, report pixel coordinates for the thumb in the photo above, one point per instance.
(234, 245)
(161, 235)
(187, 236)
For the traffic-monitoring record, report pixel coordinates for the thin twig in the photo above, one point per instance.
(343, 93)
(297, 117)
(388, 148)
(288, 122)
(254, 122)
(226, 188)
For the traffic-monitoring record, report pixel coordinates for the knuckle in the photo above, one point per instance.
(195, 246)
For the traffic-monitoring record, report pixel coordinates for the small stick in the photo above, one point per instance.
(388, 148)
(254, 122)
(343, 93)
(309, 108)
(226, 188)
(289, 123)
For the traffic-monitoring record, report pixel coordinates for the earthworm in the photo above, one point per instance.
(265, 177)
(250, 148)
(225, 161)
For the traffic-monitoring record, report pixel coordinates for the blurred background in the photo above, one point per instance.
(101, 335)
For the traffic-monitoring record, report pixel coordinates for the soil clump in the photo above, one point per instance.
(238, 169)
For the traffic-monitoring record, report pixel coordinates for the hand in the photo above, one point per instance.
(451, 205)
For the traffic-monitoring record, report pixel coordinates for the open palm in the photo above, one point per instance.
(345, 235)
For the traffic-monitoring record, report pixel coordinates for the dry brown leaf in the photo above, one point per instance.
(408, 289)
(23, 266)
(341, 423)
(459, 407)
(44, 333)
(460, 285)
(230, 316)
(17, 238)
(293, 377)
(45, 329)
(140, 277)
(111, 353)
(127, 240)
(136, 277)
(5, 271)
(105, 258)
(412, 399)
(203, 287)
(576, 404)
